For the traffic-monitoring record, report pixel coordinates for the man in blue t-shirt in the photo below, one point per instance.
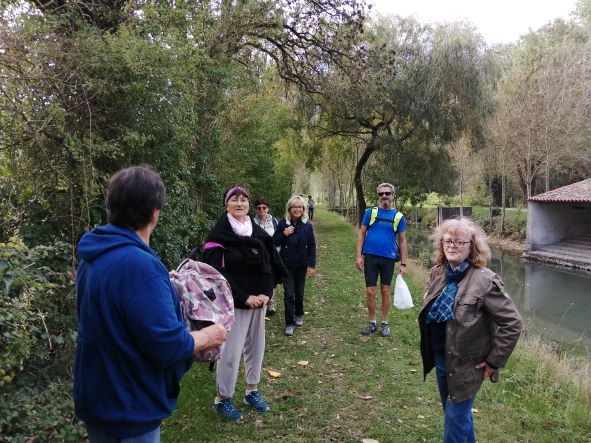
(377, 252)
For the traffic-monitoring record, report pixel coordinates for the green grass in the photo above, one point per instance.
(357, 387)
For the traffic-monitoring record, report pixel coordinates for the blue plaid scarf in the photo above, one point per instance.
(442, 309)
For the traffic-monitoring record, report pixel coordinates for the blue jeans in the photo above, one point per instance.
(458, 425)
(96, 436)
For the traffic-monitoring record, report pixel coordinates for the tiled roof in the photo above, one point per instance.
(579, 192)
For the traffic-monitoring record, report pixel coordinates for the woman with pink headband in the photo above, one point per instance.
(245, 255)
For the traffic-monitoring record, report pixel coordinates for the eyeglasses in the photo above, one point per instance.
(235, 200)
(458, 243)
(262, 207)
(385, 193)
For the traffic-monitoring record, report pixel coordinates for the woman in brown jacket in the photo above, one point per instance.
(469, 324)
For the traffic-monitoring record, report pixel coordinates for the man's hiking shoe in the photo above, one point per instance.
(369, 329)
(254, 399)
(299, 321)
(227, 410)
(289, 330)
(385, 330)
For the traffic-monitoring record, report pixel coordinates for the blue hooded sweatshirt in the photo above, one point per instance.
(132, 347)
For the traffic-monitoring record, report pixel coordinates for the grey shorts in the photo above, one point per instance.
(374, 265)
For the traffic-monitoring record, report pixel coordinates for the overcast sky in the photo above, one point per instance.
(499, 21)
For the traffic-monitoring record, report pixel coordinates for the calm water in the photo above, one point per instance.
(556, 303)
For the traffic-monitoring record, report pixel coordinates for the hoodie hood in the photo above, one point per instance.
(106, 238)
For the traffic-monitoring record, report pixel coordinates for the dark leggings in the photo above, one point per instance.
(293, 288)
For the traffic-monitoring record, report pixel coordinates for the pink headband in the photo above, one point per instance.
(236, 190)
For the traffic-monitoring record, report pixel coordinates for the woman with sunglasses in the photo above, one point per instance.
(295, 237)
(469, 324)
(269, 224)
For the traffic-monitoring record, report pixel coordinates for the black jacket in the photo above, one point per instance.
(298, 249)
(251, 265)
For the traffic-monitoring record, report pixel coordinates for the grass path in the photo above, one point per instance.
(355, 387)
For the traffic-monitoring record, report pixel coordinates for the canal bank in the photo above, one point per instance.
(506, 244)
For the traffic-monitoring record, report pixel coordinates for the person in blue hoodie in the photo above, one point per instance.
(295, 237)
(132, 346)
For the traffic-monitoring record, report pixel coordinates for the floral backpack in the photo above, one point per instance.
(206, 298)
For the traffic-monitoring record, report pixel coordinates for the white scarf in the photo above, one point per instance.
(243, 229)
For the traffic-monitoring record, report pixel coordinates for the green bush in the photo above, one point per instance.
(37, 338)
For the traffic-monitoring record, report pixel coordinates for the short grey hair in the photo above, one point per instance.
(386, 185)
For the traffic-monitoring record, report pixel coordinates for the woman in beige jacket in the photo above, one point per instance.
(469, 324)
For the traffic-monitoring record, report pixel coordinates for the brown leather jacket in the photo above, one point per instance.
(487, 326)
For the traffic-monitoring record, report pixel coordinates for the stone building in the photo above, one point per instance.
(559, 226)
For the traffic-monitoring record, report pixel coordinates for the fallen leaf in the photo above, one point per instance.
(413, 371)
(273, 374)
(475, 411)
(303, 363)
(366, 397)
(287, 393)
(258, 423)
(369, 440)
(421, 416)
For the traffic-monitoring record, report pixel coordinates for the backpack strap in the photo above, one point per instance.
(373, 215)
(395, 222)
(211, 245)
(178, 269)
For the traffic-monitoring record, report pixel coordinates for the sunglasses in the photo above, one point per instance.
(384, 193)
(261, 207)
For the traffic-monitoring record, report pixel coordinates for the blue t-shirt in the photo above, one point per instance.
(380, 239)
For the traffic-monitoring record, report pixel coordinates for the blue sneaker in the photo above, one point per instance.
(254, 399)
(369, 329)
(227, 410)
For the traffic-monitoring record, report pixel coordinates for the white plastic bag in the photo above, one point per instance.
(402, 298)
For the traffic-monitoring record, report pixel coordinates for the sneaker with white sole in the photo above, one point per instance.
(227, 410)
(299, 321)
(369, 329)
(385, 330)
(289, 330)
(254, 399)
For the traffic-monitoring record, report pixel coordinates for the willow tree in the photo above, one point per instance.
(419, 86)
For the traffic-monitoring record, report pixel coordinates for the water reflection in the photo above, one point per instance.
(555, 302)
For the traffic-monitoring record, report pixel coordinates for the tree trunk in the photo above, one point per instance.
(370, 148)
(503, 197)
(490, 205)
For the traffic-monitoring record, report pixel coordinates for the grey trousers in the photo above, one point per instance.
(247, 337)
